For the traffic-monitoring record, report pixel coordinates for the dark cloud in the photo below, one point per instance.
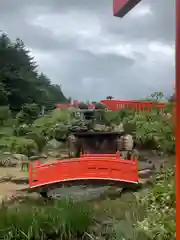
(81, 45)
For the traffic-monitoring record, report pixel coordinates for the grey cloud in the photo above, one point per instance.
(106, 74)
(160, 26)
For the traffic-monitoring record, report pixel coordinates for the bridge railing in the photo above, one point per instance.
(87, 167)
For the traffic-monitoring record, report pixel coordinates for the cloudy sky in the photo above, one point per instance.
(80, 45)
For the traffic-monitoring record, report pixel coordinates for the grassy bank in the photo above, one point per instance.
(60, 220)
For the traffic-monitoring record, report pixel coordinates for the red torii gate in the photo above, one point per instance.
(120, 9)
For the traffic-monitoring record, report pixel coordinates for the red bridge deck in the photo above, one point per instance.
(106, 167)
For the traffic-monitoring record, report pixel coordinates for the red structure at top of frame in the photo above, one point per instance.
(122, 7)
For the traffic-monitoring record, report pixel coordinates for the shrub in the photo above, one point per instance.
(83, 105)
(50, 125)
(61, 220)
(160, 204)
(18, 145)
(60, 115)
(99, 106)
(59, 131)
(152, 130)
(28, 113)
(21, 130)
(39, 139)
(42, 125)
(4, 114)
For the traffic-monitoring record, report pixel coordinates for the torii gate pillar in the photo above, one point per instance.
(122, 7)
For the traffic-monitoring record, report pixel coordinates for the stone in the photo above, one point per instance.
(54, 154)
(20, 157)
(33, 158)
(44, 156)
(54, 144)
(11, 160)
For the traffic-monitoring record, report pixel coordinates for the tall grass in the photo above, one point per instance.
(63, 219)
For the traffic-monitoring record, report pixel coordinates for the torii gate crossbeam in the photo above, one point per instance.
(122, 7)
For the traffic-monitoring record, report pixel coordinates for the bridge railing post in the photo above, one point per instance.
(118, 155)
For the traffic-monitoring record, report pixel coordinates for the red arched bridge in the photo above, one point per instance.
(88, 168)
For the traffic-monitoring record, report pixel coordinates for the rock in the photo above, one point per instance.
(54, 154)
(20, 180)
(54, 144)
(44, 156)
(119, 128)
(7, 153)
(128, 142)
(11, 160)
(145, 173)
(20, 157)
(5, 179)
(33, 158)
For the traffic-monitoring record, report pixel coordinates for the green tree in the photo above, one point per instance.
(28, 113)
(19, 73)
(109, 97)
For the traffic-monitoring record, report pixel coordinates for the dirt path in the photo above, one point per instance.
(8, 188)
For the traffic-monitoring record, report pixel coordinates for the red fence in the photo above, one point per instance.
(107, 167)
(115, 105)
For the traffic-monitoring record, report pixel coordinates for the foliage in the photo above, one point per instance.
(153, 130)
(20, 82)
(109, 97)
(60, 115)
(124, 230)
(83, 105)
(99, 106)
(22, 130)
(160, 204)
(39, 139)
(4, 114)
(157, 96)
(59, 131)
(28, 113)
(60, 220)
(18, 145)
(3, 95)
(53, 124)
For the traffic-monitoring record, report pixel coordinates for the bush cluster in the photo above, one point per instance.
(152, 130)
(20, 145)
(158, 205)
